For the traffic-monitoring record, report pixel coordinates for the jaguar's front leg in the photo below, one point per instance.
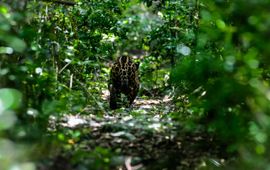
(132, 95)
(113, 98)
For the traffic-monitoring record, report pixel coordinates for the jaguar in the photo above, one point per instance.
(124, 79)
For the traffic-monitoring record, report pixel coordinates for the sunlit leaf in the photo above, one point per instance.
(9, 99)
(14, 42)
(3, 9)
(6, 50)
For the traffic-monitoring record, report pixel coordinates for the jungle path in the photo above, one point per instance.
(143, 137)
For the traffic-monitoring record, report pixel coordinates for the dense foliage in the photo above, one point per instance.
(208, 59)
(228, 80)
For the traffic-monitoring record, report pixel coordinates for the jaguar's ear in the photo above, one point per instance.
(137, 64)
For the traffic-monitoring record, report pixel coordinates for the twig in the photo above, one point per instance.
(128, 163)
(69, 3)
(129, 166)
(63, 68)
(71, 81)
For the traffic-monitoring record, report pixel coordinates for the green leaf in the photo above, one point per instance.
(17, 44)
(221, 24)
(3, 10)
(9, 99)
(14, 42)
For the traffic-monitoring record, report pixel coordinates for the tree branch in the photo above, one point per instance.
(63, 2)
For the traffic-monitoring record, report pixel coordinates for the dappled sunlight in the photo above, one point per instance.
(73, 121)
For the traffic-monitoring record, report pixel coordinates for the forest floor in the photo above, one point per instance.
(143, 137)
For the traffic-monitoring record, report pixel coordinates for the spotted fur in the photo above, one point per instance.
(123, 79)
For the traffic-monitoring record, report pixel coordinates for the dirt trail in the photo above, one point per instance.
(144, 137)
